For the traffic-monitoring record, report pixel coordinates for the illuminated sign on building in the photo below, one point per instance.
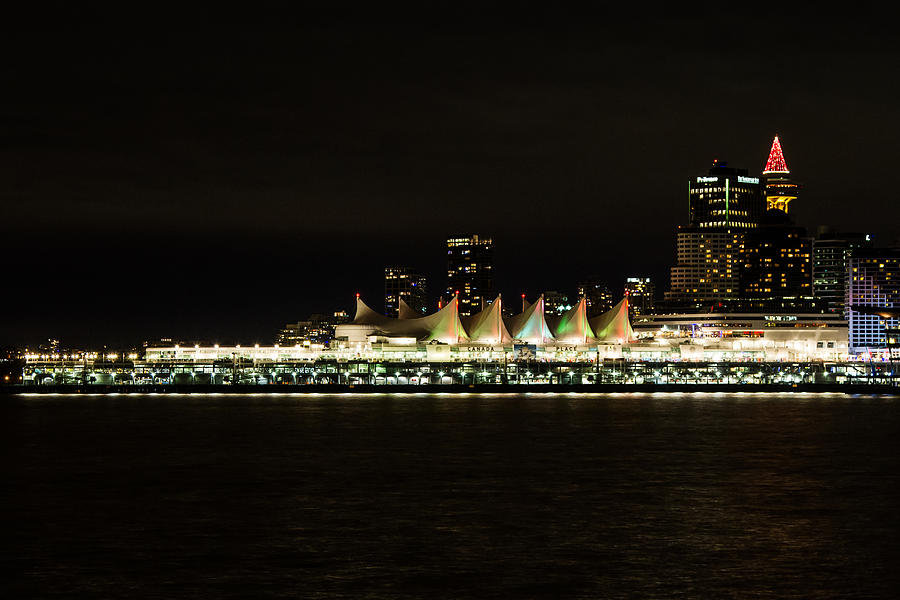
(707, 179)
(742, 179)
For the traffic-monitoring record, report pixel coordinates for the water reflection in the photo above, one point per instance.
(507, 495)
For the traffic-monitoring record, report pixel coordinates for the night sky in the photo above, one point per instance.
(215, 181)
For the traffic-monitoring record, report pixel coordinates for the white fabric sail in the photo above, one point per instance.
(613, 325)
(367, 316)
(487, 326)
(530, 326)
(406, 311)
(443, 326)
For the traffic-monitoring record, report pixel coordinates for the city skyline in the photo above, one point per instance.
(195, 186)
(615, 283)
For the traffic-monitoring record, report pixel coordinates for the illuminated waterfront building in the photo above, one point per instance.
(531, 326)
(444, 347)
(470, 272)
(403, 283)
(780, 189)
(745, 336)
(425, 349)
(874, 281)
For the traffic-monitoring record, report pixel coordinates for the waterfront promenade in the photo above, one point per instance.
(459, 377)
(461, 373)
(424, 389)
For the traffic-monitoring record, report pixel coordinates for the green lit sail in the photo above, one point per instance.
(573, 326)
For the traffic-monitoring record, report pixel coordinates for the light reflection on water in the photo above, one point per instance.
(452, 495)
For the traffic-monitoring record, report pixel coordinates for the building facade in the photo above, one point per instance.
(831, 259)
(597, 294)
(873, 281)
(470, 272)
(725, 198)
(746, 336)
(776, 262)
(723, 206)
(406, 284)
(707, 267)
(317, 329)
(641, 295)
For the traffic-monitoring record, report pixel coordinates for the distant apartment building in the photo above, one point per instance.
(317, 329)
(597, 294)
(406, 284)
(641, 295)
(470, 272)
(707, 266)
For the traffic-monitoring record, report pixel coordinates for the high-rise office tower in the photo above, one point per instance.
(725, 198)
(873, 280)
(406, 284)
(724, 205)
(641, 293)
(780, 188)
(831, 257)
(470, 272)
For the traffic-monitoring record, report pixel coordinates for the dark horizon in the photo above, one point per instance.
(218, 183)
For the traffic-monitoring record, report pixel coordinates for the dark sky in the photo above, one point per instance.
(215, 181)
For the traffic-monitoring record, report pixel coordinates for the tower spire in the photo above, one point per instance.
(780, 189)
(776, 163)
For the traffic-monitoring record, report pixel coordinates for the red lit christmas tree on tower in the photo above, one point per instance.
(776, 163)
(780, 189)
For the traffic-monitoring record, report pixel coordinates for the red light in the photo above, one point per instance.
(523, 295)
(357, 294)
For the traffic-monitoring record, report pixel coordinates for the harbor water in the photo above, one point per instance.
(685, 495)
